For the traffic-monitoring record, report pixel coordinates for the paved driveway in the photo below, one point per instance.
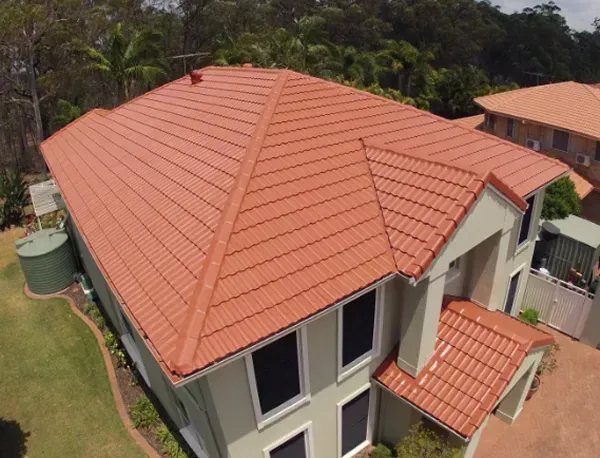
(562, 419)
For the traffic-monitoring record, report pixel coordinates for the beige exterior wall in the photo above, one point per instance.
(410, 315)
(231, 395)
(577, 144)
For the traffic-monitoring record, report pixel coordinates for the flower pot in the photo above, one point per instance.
(535, 385)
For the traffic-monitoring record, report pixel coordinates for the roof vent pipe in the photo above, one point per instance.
(196, 76)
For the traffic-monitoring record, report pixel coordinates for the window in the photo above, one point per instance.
(526, 222)
(358, 333)
(513, 287)
(510, 128)
(132, 349)
(490, 120)
(277, 375)
(597, 156)
(297, 444)
(453, 270)
(560, 140)
(354, 424)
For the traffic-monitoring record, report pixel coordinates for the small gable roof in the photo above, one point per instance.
(224, 211)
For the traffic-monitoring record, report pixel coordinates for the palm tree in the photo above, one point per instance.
(348, 64)
(247, 48)
(308, 44)
(128, 61)
(401, 58)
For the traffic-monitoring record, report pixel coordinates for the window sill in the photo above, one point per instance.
(355, 366)
(281, 411)
(357, 449)
(522, 247)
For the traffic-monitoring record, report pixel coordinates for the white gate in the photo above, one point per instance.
(560, 304)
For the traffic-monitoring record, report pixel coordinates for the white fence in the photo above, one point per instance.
(560, 304)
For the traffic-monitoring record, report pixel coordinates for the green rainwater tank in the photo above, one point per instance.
(47, 260)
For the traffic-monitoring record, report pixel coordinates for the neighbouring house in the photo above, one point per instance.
(300, 268)
(560, 120)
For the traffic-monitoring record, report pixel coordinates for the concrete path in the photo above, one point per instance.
(562, 419)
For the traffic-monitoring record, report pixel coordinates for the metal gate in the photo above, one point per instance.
(560, 304)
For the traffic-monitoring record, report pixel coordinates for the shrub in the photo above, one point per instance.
(548, 363)
(170, 445)
(561, 200)
(143, 413)
(381, 451)
(13, 194)
(423, 442)
(94, 313)
(530, 316)
(114, 347)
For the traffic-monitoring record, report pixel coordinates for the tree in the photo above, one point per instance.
(425, 443)
(127, 62)
(561, 200)
(346, 63)
(67, 113)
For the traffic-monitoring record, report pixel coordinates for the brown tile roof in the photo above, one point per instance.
(571, 106)
(477, 354)
(472, 121)
(582, 186)
(225, 211)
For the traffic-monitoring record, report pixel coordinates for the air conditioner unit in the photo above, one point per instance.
(533, 144)
(582, 159)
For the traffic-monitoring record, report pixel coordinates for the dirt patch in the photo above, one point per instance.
(130, 383)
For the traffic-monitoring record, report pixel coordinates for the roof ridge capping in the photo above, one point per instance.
(199, 307)
(485, 178)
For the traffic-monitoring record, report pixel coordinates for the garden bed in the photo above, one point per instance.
(131, 385)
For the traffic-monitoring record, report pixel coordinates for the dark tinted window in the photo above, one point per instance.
(597, 157)
(357, 328)
(512, 293)
(277, 373)
(293, 448)
(560, 140)
(355, 416)
(526, 220)
(510, 128)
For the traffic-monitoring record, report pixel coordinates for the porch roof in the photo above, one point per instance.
(477, 353)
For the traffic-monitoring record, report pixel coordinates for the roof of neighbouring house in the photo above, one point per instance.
(582, 186)
(579, 229)
(472, 121)
(570, 106)
(477, 354)
(225, 211)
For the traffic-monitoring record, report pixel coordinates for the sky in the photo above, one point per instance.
(579, 13)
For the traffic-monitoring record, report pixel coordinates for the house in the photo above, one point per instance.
(300, 268)
(560, 120)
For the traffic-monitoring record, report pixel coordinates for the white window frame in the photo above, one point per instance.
(519, 269)
(453, 272)
(302, 398)
(568, 140)
(346, 371)
(309, 440)
(521, 246)
(370, 421)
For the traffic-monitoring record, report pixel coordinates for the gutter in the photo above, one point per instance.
(465, 439)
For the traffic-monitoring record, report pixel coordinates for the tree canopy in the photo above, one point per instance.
(60, 58)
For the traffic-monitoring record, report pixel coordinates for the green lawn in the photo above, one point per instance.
(53, 383)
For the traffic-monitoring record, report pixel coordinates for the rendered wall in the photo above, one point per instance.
(230, 391)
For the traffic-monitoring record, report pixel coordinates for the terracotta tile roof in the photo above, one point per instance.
(571, 106)
(225, 211)
(423, 200)
(582, 186)
(472, 121)
(477, 354)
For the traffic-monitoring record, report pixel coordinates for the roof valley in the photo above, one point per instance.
(182, 358)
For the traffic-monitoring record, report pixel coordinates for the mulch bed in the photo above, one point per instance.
(131, 385)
